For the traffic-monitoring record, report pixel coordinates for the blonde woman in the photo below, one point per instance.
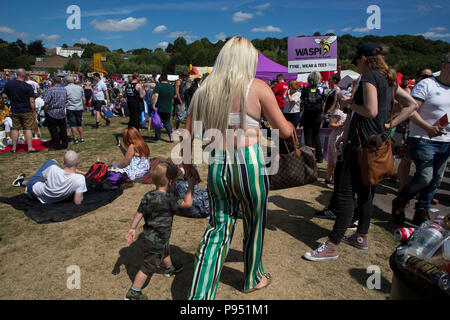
(230, 99)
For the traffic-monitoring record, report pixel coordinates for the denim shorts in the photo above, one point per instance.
(74, 118)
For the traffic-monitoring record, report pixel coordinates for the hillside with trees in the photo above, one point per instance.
(407, 53)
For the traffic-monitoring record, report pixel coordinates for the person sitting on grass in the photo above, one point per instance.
(136, 161)
(157, 208)
(51, 184)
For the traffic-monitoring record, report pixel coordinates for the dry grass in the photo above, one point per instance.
(34, 257)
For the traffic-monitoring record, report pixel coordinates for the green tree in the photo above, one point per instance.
(70, 66)
(85, 68)
(36, 48)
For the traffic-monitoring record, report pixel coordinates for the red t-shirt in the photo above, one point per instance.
(280, 93)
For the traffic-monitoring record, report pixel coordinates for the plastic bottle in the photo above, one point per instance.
(425, 239)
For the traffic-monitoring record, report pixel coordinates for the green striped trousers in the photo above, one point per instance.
(234, 177)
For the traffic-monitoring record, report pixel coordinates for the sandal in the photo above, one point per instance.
(269, 280)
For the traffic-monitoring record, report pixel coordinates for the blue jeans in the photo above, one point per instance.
(430, 158)
(293, 118)
(38, 177)
(165, 119)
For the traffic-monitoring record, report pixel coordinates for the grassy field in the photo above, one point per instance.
(34, 258)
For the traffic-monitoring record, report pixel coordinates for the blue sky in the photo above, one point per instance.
(152, 24)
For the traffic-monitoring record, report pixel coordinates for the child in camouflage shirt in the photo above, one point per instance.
(157, 208)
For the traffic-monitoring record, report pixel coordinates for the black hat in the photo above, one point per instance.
(185, 74)
(367, 49)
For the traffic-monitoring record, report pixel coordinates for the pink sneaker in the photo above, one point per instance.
(326, 251)
(358, 240)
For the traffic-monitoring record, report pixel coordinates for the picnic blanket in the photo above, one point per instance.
(147, 178)
(37, 144)
(63, 211)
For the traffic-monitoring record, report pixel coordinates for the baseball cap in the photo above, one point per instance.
(367, 49)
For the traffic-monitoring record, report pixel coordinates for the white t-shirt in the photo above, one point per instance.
(34, 85)
(99, 89)
(75, 96)
(288, 108)
(435, 97)
(58, 185)
(39, 103)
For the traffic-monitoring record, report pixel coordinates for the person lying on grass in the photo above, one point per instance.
(51, 184)
(157, 208)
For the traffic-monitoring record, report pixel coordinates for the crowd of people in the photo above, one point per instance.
(231, 98)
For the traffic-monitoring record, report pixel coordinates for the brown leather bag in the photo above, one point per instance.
(376, 163)
(296, 168)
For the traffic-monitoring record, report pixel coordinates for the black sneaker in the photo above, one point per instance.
(135, 295)
(18, 182)
(326, 213)
(353, 225)
(75, 141)
(420, 216)
(108, 122)
(97, 125)
(82, 140)
(174, 268)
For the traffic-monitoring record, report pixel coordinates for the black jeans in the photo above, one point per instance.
(165, 119)
(349, 184)
(311, 128)
(58, 132)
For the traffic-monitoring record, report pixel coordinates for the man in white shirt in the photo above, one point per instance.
(429, 146)
(51, 184)
(74, 106)
(99, 95)
(32, 83)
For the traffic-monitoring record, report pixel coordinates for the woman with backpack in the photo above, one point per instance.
(136, 161)
(312, 99)
(370, 108)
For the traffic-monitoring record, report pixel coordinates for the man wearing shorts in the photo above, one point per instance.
(74, 106)
(98, 100)
(23, 110)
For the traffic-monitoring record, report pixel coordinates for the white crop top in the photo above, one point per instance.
(234, 119)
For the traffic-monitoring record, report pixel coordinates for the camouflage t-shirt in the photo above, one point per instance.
(158, 209)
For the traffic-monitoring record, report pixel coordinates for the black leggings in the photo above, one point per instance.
(349, 184)
(135, 116)
(58, 132)
(311, 127)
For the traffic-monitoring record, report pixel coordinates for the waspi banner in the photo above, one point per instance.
(309, 54)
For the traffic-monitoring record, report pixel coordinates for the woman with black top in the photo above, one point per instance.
(135, 94)
(88, 93)
(312, 99)
(371, 106)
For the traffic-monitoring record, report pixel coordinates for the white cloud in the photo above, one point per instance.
(52, 37)
(259, 13)
(267, 29)
(432, 34)
(224, 9)
(84, 40)
(242, 16)
(160, 29)
(221, 36)
(440, 29)
(361, 29)
(115, 25)
(7, 30)
(162, 45)
(263, 6)
(346, 29)
(185, 34)
(330, 31)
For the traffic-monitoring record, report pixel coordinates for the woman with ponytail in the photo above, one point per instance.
(370, 106)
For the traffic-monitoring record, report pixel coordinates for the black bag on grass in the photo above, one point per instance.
(96, 176)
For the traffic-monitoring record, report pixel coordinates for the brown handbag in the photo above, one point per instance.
(376, 163)
(296, 168)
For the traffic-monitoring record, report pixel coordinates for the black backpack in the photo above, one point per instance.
(313, 99)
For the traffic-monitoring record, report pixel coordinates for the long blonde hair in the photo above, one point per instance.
(234, 67)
